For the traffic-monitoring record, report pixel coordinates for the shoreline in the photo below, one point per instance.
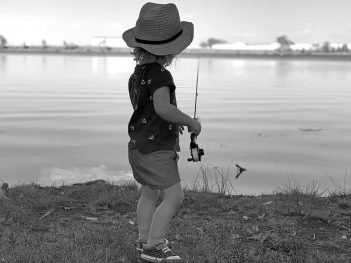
(188, 53)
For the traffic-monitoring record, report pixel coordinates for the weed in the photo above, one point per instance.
(214, 180)
(339, 188)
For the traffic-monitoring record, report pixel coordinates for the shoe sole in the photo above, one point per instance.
(163, 260)
(143, 259)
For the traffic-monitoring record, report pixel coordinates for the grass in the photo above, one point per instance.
(214, 179)
(96, 222)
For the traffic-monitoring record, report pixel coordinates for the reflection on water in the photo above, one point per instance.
(112, 66)
(63, 118)
(3, 63)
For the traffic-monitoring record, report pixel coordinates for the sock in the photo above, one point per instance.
(154, 241)
(143, 235)
(143, 238)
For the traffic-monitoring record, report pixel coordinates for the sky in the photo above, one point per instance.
(250, 21)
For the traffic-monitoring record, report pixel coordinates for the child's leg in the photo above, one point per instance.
(145, 211)
(172, 201)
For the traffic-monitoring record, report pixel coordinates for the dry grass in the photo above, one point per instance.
(214, 180)
(96, 222)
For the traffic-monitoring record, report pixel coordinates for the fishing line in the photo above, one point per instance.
(197, 84)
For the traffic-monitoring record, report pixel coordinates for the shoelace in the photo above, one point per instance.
(165, 249)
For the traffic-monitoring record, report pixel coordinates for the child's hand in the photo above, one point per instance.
(195, 127)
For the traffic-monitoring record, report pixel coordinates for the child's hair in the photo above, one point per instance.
(141, 54)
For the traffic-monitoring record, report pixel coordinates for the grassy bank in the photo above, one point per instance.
(96, 222)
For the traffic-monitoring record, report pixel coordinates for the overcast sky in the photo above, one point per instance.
(251, 21)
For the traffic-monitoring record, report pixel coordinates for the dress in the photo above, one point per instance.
(153, 140)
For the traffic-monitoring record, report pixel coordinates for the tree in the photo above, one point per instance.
(203, 45)
(44, 44)
(69, 45)
(3, 41)
(66, 45)
(326, 47)
(284, 43)
(211, 41)
(345, 48)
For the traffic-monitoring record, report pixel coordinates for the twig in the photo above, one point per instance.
(49, 212)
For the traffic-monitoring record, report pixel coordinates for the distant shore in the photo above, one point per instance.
(198, 52)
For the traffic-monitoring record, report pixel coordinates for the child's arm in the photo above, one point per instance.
(171, 113)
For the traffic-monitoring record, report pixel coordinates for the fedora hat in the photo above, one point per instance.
(159, 30)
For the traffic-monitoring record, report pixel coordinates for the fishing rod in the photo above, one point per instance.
(195, 151)
(197, 84)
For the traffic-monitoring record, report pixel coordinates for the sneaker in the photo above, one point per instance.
(139, 245)
(160, 253)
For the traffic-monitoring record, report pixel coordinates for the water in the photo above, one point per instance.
(64, 119)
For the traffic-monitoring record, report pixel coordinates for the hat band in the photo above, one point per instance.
(158, 42)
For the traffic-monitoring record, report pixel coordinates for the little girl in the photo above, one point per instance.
(155, 124)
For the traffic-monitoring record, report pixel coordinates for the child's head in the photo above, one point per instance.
(159, 32)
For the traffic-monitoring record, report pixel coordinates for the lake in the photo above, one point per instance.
(63, 119)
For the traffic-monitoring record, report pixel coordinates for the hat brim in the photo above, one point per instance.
(172, 48)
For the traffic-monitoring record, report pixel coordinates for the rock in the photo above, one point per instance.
(246, 218)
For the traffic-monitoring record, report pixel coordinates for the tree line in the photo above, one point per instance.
(44, 44)
(285, 45)
(284, 42)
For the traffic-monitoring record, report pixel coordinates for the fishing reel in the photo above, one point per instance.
(195, 151)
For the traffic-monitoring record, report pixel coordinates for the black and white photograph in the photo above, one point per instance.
(185, 131)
